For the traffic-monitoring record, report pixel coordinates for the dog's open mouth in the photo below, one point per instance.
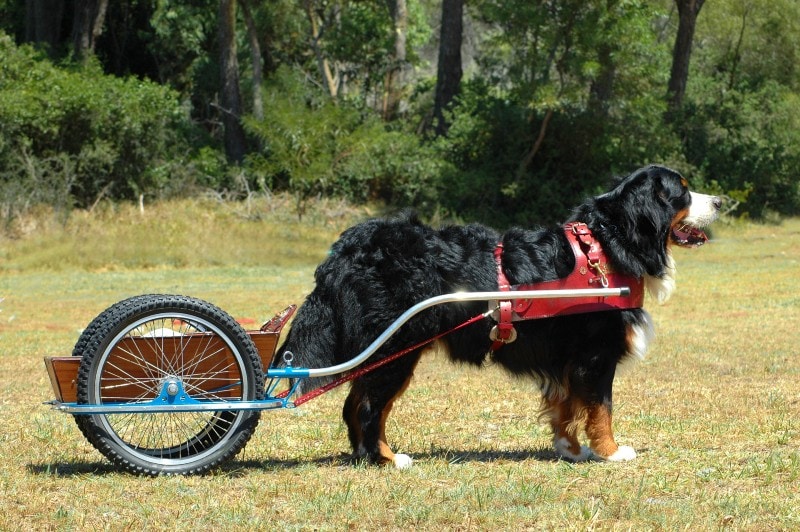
(688, 236)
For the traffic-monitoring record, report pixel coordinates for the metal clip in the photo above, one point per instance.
(596, 266)
(288, 356)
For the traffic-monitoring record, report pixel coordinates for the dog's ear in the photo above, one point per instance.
(641, 220)
(673, 189)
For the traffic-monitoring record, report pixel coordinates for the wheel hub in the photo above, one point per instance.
(173, 388)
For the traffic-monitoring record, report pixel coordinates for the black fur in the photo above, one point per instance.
(380, 268)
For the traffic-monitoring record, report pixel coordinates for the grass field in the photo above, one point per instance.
(714, 411)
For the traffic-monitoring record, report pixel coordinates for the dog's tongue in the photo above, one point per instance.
(687, 235)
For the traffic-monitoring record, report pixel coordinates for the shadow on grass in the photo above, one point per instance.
(240, 467)
(71, 469)
(489, 455)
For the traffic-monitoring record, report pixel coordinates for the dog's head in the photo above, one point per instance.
(647, 212)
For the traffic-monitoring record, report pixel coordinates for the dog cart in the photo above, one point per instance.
(166, 384)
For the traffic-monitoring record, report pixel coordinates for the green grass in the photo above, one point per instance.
(713, 411)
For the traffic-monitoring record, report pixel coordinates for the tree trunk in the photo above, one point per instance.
(602, 87)
(393, 89)
(43, 23)
(601, 91)
(255, 55)
(230, 99)
(87, 26)
(688, 10)
(331, 81)
(736, 56)
(528, 157)
(449, 71)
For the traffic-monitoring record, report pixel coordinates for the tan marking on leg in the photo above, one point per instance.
(598, 428)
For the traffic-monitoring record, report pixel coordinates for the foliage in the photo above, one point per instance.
(740, 125)
(362, 40)
(313, 146)
(183, 36)
(745, 44)
(567, 97)
(747, 144)
(12, 16)
(77, 135)
(558, 96)
(183, 44)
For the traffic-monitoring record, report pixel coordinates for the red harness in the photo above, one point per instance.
(592, 270)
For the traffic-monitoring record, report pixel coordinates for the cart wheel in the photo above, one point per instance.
(140, 346)
(83, 342)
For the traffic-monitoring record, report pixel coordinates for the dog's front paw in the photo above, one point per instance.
(563, 447)
(402, 461)
(623, 454)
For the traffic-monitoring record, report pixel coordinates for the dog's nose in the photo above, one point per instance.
(717, 202)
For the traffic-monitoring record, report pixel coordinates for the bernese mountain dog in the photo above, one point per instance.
(380, 268)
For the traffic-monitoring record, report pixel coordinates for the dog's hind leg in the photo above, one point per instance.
(367, 408)
(565, 418)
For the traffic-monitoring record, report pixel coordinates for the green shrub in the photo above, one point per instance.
(746, 143)
(313, 146)
(581, 151)
(75, 134)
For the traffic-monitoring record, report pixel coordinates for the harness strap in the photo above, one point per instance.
(588, 252)
(589, 245)
(503, 333)
(591, 269)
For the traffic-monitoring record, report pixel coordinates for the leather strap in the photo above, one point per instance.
(503, 333)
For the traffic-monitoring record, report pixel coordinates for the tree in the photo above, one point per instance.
(688, 10)
(87, 26)
(43, 23)
(319, 19)
(395, 75)
(449, 70)
(747, 43)
(255, 54)
(230, 97)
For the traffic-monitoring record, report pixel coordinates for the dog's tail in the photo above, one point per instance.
(311, 342)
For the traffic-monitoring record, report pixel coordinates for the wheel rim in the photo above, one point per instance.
(163, 348)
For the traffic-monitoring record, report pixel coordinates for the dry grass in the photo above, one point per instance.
(713, 411)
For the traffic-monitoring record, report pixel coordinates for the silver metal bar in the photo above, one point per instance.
(154, 408)
(459, 297)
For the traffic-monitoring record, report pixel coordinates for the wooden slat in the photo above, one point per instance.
(63, 372)
(136, 364)
(266, 342)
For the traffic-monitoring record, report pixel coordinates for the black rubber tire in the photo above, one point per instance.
(83, 341)
(167, 443)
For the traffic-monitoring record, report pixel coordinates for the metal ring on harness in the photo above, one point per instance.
(494, 335)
